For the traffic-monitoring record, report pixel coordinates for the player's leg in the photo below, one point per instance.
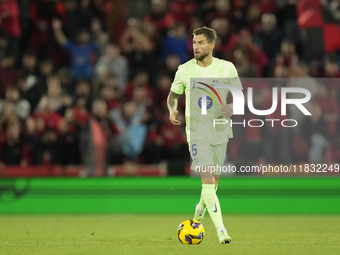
(212, 203)
(201, 155)
(219, 153)
(216, 177)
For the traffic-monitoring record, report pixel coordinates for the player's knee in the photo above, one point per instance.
(208, 180)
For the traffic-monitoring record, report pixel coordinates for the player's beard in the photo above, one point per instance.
(201, 57)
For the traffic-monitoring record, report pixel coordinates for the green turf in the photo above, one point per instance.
(156, 234)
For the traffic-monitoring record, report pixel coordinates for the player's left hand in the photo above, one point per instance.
(227, 110)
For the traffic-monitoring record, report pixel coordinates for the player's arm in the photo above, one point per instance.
(227, 110)
(172, 102)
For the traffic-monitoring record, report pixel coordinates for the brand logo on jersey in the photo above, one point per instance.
(214, 82)
(209, 102)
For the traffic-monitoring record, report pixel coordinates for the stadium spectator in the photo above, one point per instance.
(76, 18)
(132, 132)
(30, 62)
(83, 53)
(29, 88)
(226, 39)
(83, 91)
(136, 44)
(288, 18)
(183, 10)
(140, 79)
(69, 140)
(287, 57)
(159, 16)
(269, 37)
(41, 14)
(50, 117)
(177, 43)
(256, 55)
(314, 130)
(244, 68)
(8, 72)
(111, 96)
(10, 23)
(46, 68)
(21, 106)
(112, 63)
(11, 148)
(139, 75)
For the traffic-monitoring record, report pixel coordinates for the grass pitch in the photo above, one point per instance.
(156, 234)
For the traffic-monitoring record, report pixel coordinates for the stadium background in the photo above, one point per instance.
(96, 105)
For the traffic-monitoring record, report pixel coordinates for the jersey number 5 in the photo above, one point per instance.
(194, 150)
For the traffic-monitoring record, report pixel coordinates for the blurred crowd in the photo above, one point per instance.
(65, 64)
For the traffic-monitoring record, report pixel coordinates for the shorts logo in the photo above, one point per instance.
(209, 102)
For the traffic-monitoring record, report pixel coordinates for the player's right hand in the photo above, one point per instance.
(172, 118)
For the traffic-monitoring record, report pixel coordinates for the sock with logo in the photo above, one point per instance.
(201, 205)
(213, 205)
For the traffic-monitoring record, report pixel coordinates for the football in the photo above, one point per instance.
(190, 232)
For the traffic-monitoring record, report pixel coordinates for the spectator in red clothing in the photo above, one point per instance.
(183, 10)
(48, 115)
(53, 94)
(8, 72)
(80, 113)
(111, 97)
(332, 69)
(41, 13)
(159, 16)
(173, 138)
(10, 23)
(136, 44)
(256, 55)
(140, 79)
(266, 6)
(226, 39)
(287, 57)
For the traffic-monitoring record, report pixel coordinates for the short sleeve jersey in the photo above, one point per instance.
(188, 79)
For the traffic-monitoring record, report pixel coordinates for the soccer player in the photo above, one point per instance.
(207, 144)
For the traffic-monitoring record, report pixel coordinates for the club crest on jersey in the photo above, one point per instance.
(209, 102)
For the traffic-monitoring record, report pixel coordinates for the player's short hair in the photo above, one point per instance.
(209, 33)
